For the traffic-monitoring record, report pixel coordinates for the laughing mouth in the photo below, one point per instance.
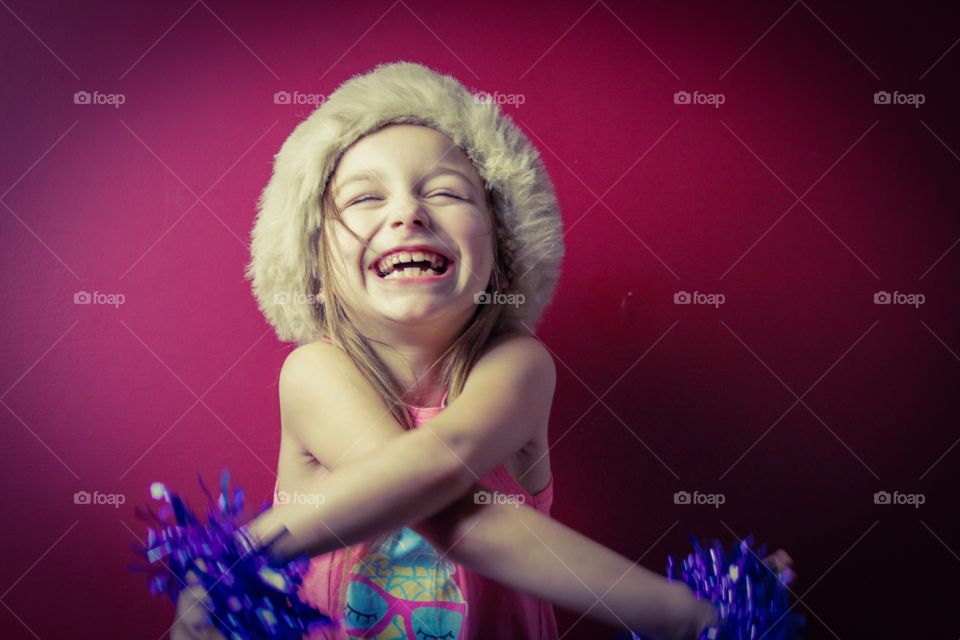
(411, 264)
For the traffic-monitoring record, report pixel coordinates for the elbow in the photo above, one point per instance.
(459, 478)
(455, 486)
(447, 529)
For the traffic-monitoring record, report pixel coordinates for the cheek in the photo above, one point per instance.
(341, 237)
(474, 235)
(480, 251)
(359, 221)
(472, 228)
(345, 252)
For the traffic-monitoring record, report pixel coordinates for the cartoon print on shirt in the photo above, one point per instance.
(404, 590)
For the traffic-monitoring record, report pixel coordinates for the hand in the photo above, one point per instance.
(266, 529)
(706, 616)
(781, 562)
(697, 615)
(192, 622)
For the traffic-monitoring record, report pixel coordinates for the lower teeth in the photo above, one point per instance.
(409, 272)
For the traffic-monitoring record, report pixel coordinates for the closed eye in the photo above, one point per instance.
(447, 194)
(365, 198)
(359, 615)
(426, 636)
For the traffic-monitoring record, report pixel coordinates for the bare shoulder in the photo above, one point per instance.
(514, 349)
(309, 358)
(304, 376)
(318, 370)
(328, 409)
(523, 351)
(515, 346)
(316, 374)
(530, 464)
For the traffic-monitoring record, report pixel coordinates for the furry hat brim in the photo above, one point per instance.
(401, 92)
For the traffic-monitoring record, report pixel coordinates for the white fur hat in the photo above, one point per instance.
(289, 208)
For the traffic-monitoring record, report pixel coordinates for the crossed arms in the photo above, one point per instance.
(384, 478)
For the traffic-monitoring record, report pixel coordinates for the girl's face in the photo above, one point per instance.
(408, 186)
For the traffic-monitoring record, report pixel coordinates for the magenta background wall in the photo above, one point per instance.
(797, 199)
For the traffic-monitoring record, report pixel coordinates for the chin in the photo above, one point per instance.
(411, 316)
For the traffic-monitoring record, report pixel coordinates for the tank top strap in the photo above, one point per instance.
(504, 481)
(544, 498)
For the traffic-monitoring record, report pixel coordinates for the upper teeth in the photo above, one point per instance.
(385, 265)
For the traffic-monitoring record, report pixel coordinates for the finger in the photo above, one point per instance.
(193, 586)
(201, 627)
(196, 590)
(195, 621)
(779, 561)
(771, 561)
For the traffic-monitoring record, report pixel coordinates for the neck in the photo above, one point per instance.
(415, 358)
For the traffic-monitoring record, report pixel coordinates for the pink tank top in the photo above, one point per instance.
(406, 590)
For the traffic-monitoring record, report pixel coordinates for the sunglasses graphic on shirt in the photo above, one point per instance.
(429, 620)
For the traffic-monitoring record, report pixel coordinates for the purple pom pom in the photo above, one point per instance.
(750, 597)
(251, 596)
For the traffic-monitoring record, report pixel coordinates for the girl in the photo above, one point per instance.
(414, 464)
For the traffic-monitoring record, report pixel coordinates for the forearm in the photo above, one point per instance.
(532, 553)
(518, 547)
(407, 479)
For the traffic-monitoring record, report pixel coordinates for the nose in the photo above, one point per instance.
(408, 212)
